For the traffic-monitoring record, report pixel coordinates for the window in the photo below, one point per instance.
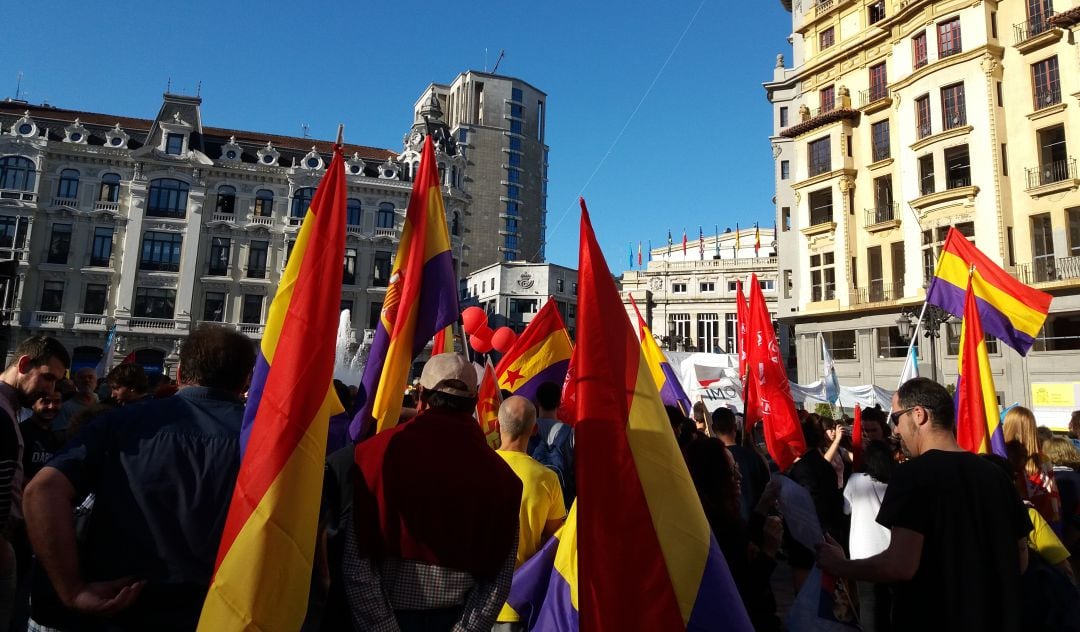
(110, 188)
(707, 287)
(511, 224)
(1054, 163)
(226, 199)
(154, 302)
(521, 306)
(17, 173)
(785, 169)
(957, 167)
(540, 121)
(252, 310)
(1042, 248)
(1038, 12)
(353, 212)
(264, 203)
(787, 283)
(876, 12)
(826, 99)
(214, 307)
(879, 133)
(1045, 82)
(174, 144)
(708, 333)
(513, 191)
(455, 223)
(1061, 332)
(220, 248)
(997, 90)
(993, 25)
(256, 260)
(380, 269)
(926, 174)
(952, 339)
(820, 153)
(897, 255)
(826, 38)
(52, 296)
(785, 218)
(679, 330)
(890, 344)
(385, 217)
(161, 251)
(678, 288)
(167, 198)
(821, 207)
(374, 314)
(933, 240)
(516, 94)
(68, 187)
(300, 202)
(1004, 160)
(59, 244)
(883, 199)
(918, 50)
(348, 276)
(783, 116)
(731, 332)
(1073, 217)
(95, 299)
(101, 249)
(878, 83)
(948, 38)
(841, 343)
(767, 285)
(952, 107)
(922, 116)
(822, 277)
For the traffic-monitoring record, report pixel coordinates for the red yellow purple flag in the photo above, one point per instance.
(540, 354)
(978, 423)
(488, 400)
(420, 300)
(443, 342)
(263, 571)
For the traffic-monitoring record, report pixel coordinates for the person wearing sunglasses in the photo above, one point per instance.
(958, 530)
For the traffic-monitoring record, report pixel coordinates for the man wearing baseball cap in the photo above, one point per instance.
(434, 535)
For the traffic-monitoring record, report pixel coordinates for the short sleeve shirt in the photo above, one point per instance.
(541, 500)
(971, 519)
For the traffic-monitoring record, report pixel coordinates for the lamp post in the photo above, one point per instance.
(933, 317)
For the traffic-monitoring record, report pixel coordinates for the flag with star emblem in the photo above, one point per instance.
(488, 400)
(540, 354)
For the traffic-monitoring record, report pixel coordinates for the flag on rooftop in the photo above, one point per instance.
(262, 575)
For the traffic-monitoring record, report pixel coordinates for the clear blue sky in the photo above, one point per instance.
(695, 152)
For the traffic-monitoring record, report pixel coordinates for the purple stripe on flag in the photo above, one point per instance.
(370, 382)
(557, 614)
(438, 299)
(254, 396)
(951, 299)
(717, 599)
(553, 373)
(997, 441)
(672, 393)
(530, 584)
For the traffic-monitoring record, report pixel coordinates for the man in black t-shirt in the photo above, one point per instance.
(40, 441)
(959, 530)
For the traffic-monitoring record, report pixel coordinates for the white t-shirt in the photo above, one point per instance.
(862, 499)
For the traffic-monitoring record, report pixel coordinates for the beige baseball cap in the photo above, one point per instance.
(449, 373)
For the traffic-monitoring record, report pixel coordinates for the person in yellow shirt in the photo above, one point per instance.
(542, 509)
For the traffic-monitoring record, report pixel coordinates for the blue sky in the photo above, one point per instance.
(690, 149)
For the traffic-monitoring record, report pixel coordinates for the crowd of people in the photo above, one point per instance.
(113, 501)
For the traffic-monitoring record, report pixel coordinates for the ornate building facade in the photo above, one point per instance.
(513, 292)
(153, 226)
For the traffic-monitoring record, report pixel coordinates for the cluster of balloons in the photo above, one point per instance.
(481, 338)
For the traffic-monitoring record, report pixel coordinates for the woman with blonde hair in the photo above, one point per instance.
(1035, 475)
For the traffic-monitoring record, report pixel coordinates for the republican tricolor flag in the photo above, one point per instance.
(262, 575)
(671, 390)
(420, 300)
(488, 400)
(540, 354)
(978, 423)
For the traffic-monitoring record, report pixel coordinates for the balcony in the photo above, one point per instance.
(226, 218)
(354, 229)
(1052, 177)
(48, 320)
(260, 220)
(392, 233)
(954, 118)
(152, 324)
(90, 322)
(1035, 33)
(813, 119)
(68, 203)
(822, 7)
(14, 194)
(106, 207)
(1048, 270)
(882, 217)
(878, 292)
(874, 98)
(251, 329)
(1046, 97)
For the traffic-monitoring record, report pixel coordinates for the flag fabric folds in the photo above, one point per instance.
(684, 242)
(751, 407)
(671, 390)
(757, 239)
(488, 400)
(911, 365)
(540, 354)
(978, 426)
(420, 300)
(443, 342)
(783, 434)
(832, 384)
(646, 557)
(263, 570)
(1008, 309)
(716, 244)
(701, 242)
(108, 354)
(738, 243)
(857, 440)
(639, 253)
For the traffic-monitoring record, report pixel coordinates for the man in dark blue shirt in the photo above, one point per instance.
(163, 473)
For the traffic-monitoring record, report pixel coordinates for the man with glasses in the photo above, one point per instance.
(958, 529)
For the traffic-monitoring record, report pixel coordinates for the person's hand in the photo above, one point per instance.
(768, 499)
(830, 556)
(773, 535)
(105, 598)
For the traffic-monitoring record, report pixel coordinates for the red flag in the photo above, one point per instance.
(783, 434)
(684, 242)
(751, 403)
(742, 316)
(857, 441)
(488, 400)
(568, 405)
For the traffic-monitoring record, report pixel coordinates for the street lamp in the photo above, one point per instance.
(933, 317)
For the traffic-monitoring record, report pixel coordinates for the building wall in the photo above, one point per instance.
(513, 292)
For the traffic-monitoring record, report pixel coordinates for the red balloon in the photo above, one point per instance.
(473, 318)
(480, 343)
(503, 339)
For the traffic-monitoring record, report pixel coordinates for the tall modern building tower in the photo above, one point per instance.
(498, 123)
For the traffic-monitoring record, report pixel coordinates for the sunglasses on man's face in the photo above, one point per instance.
(894, 417)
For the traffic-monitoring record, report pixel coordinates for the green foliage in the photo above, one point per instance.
(824, 410)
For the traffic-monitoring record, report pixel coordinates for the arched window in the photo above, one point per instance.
(264, 203)
(301, 201)
(226, 199)
(168, 198)
(353, 212)
(455, 223)
(68, 188)
(110, 188)
(17, 173)
(385, 218)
